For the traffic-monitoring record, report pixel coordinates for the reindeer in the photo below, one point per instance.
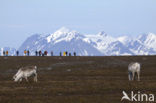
(25, 72)
(132, 69)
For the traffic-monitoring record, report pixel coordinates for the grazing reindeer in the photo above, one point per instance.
(26, 72)
(132, 69)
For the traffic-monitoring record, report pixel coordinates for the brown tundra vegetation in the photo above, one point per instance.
(75, 79)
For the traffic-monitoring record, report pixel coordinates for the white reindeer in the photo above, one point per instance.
(132, 69)
(26, 72)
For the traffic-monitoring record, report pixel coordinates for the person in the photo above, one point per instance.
(60, 54)
(17, 53)
(66, 53)
(69, 54)
(25, 52)
(3, 53)
(51, 53)
(40, 53)
(28, 52)
(74, 53)
(7, 53)
(36, 52)
(45, 53)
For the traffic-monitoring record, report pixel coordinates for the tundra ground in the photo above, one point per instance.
(75, 79)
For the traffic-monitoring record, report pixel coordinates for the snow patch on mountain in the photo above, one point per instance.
(100, 41)
(63, 34)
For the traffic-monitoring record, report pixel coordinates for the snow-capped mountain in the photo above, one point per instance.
(149, 40)
(85, 44)
(117, 48)
(124, 39)
(101, 41)
(60, 41)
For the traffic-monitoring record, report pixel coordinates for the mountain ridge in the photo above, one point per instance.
(100, 44)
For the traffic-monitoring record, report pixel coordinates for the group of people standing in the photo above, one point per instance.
(5, 53)
(39, 53)
(45, 53)
(68, 54)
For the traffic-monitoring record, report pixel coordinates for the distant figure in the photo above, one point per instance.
(51, 53)
(132, 69)
(25, 52)
(60, 53)
(45, 53)
(3, 53)
(40, 53)
(28, 52)
(66, 53)
(7, 53)
(36, 52)
(69, 54)
(74, 53)
(17, 53)
(25, 72)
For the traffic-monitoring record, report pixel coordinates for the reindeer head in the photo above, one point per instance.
(16, 76)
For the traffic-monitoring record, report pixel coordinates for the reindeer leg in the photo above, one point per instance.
(133, 75)
(35, 78)
(26, 79)
(138, 76)
(129, 76)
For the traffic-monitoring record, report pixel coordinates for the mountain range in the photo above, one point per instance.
(100, 44)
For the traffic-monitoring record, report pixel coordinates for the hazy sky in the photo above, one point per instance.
(21, 18)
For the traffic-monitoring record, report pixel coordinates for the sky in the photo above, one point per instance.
(20, 19)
